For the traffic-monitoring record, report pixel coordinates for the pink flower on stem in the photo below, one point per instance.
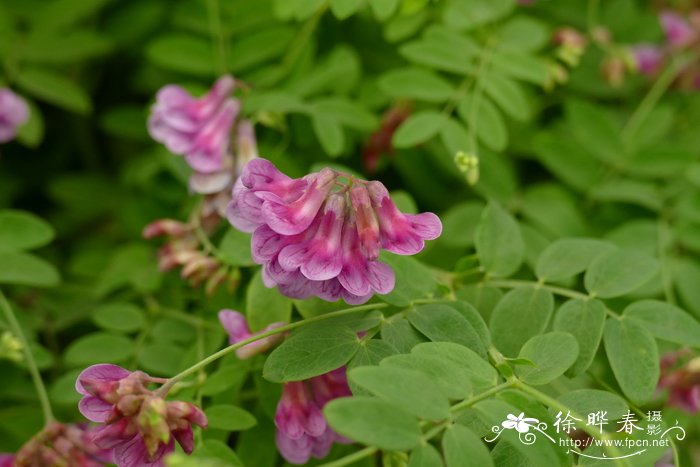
(682, 380)
(198, 129)
(321, 235)
(678, 30)
(648, 58)
(302, 431)
(139, 426)
(237, 328)
(13, 114)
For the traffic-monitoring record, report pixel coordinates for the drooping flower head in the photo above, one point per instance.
(321, 235)
(302, 431)
(139, 426)
(198, 129)
(647, 58)
(59, 444)
(13, 114)
(680, 375)
(237, 329)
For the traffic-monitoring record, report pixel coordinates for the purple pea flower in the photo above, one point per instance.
(321, 235)
(679, 32)
(681, 380)
(302, 431)
(139, 426)
(198, 129)
(648, 58)
(237, 328)
(13, 114)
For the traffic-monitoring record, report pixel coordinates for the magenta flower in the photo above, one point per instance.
(139, 426)
(237, 328)
(679, 32)
(13, 114)
(59, 444)
(302, 431)
(321, 235)
(648, 58)
(682, 380)
(198, 129)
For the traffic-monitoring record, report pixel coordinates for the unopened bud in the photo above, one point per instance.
(613, 69)
(167, 227)
(468, 164)
(10, 347)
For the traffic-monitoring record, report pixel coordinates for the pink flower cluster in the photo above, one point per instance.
(302, 431)
(13, 114)
(200, 129)
(140, 427)
(59, 444)
(680, 32)
(680, 375)
(321, 235)
(237, 329)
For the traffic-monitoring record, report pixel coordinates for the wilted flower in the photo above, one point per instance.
(321, 235)
(13, 114)
(679, 32)
(59, 445)
(302, 431)
(680, 374)
(237, 329)
(379, 142)
(140, 427)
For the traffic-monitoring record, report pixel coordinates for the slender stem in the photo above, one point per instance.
(350, 458)
(231, 348)
(31, 363)
(513, 283)
(481, 396)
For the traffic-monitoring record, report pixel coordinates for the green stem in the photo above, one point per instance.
(217, 35)
(31, 363)
(231, 348)
(350, 458)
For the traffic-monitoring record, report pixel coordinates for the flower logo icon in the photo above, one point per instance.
(520, 423)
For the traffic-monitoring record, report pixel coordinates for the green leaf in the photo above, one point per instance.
(634, 358)
(345, 8)
(521, 314)
(441, 323)
(220, 451)
(521, 66)
(524, 33)
(566, 257)
(585, 401)
(425, 456)
(499, 242)
(468, 14)
(161, 357)
(372, 352)
(400, 334)
(585, 320)
(182, 53)
(311, 352)
(65, 13)
(552, 354)
(463, 448)
(98, 347)
(619, 272)
(568, 160)
(53, 88)
(481, 374)
(257, 47)
(416, 83)
(234, 248)
(665, 321)
(508, 94)
(486, 121)
(374, 422)
(418, 128)
(64, 48)
(595, 130)
(265, 306)
(434, 54)
(412, 390)
(345, 112)
(229, 418)
(452, 378)
(455, 137)
(475, 318)
(413, 280)
(645, 194)
(383, 9)
(119, 316)
(459, 224)
(25, 269)
(330, 134)
(20, 230)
